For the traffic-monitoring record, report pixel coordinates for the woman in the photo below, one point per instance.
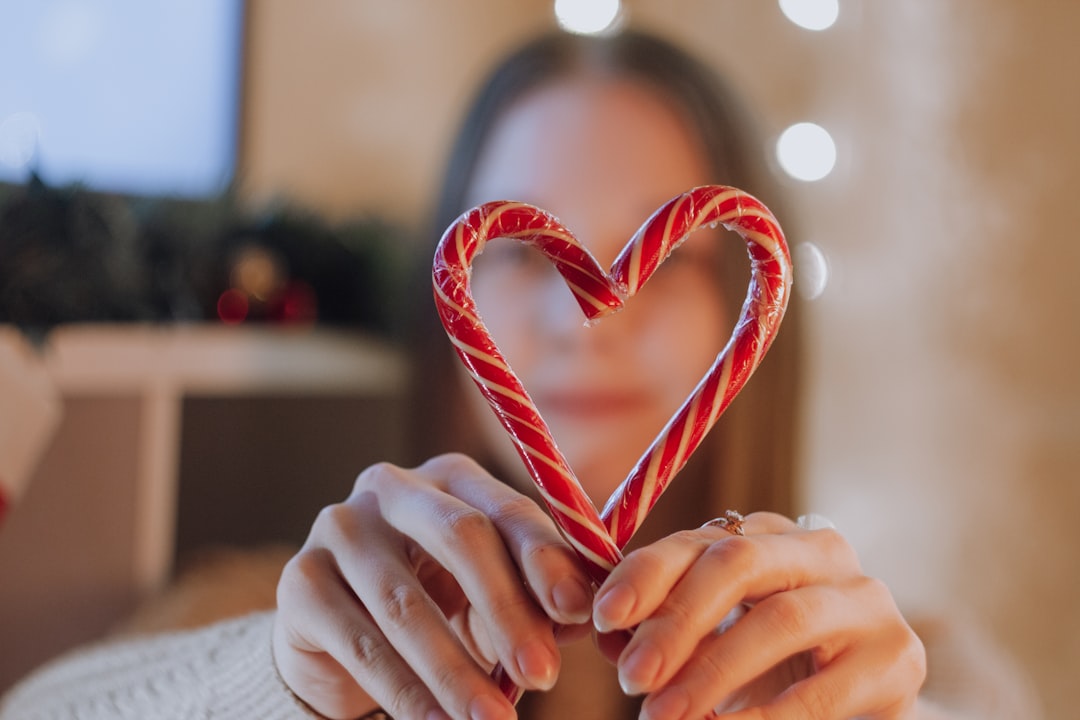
(408, 592)
(601, 132)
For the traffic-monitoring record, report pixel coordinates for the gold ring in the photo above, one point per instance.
(731, 521)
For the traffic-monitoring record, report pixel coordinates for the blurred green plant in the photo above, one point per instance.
(69, 255)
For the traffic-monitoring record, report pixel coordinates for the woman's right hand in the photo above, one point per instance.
(406, 594)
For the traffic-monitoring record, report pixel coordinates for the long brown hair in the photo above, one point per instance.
(747, 462)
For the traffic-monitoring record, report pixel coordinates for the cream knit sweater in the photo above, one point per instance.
(226, 670)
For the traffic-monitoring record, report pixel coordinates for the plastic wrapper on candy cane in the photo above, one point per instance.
(464, 240)
(599, 537)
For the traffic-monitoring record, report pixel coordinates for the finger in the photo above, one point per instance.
(463, 540)
(654, 569)
(384, 581)
(331, 654)
(709, 591)
(853, 686)
(761, 523)
(827, 621)
(551, 568)
(727, 569)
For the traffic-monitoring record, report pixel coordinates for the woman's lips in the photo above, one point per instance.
(588, 404)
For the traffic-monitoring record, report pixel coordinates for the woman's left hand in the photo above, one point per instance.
(819, 640)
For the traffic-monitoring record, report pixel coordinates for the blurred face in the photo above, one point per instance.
(601, 156)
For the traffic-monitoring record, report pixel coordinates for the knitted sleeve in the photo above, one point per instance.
(224, 671)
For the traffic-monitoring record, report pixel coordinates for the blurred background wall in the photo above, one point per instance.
(942, 429)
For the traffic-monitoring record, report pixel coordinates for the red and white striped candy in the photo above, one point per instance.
(464, 240)
(759, 321)
(598, 538)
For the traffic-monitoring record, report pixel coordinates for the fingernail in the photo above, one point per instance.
(638, 672)
(613, 607)
(573, 600)
(487, 707)
(538, 663)
(667, 704)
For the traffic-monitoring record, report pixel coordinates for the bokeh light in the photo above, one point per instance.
(232, 307)
(806, 151)
(258, 273)
(811, 270)
(811, 14)
(588, 17)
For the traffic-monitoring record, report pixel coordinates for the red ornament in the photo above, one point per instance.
(232, 307)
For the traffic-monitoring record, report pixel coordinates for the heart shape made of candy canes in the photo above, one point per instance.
(599, 536)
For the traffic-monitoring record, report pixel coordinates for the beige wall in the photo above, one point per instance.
(348, 107)
(943, 434)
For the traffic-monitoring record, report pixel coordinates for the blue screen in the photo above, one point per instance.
(129, 96)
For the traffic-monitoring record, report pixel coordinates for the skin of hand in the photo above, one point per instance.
(442, 558)
(817, 640)
(407, 593)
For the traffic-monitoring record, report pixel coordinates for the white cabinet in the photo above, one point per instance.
(97, 527)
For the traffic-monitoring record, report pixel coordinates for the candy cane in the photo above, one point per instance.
(764, 307)
(598, 538)
(571, 507)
